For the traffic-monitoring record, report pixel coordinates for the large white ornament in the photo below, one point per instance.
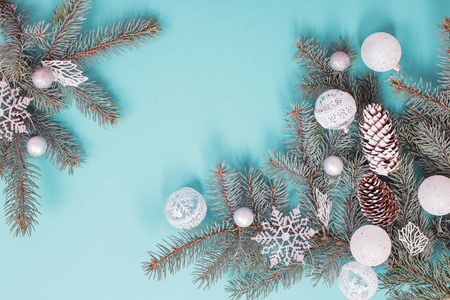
(434, 195)
(381, 52)
(339, 61)
(335, 109)
(333, 165)
(243, 217)
(65, 72)
(43, 77)
(36, 146)
(370, 245)
(12, 111)
(358, 282)
(413, 240)
(185, 209)
(286, 238)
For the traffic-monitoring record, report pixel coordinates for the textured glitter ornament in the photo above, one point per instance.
(370, 245)
(65, 72)
(286, 238)
(185, 209)
(333, 165)
(243, 217)
(434, 195)
(43, 77)
(12, 111)
(335, 109)
(358, 282)
(381, 52)
(36, 146)
(413, 240)
(339, 61)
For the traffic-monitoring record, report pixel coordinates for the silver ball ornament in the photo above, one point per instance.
(333, 165)
(434, 195)
(43, 77)
(381, 52)
(339, 61)
(36, 146)
(243, 217)
(370, 245)
(185, 209)
(358, 282)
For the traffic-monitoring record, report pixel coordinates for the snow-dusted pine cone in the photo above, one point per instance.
(378, 139)
(377, 200)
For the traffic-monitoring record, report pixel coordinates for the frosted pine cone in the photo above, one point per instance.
(378, 139)
(377, 200)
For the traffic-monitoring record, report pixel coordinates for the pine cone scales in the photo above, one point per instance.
(378, 139)
(377, 200)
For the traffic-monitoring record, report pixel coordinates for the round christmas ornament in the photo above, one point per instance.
(185, 209)
(333, 165)
(243, 217)
(339, 61)
(43, 77)
(335, 109)
(434, 195)
(36, 146)
(358, 282)
(370, 245)
(381, 52)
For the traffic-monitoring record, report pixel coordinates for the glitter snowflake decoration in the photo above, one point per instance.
(286, 238)
(12, 111)
(413, 239)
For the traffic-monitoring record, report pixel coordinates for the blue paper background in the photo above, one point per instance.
(214, 86)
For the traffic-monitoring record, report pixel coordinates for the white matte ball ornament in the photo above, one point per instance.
(43, 78)
(243, 217)
(358, 282)
(333, 165)
(36, 146)
(381, 52)
(185, 209)
(339, 61)
(335, 109)
(370, 245)
(434, 195)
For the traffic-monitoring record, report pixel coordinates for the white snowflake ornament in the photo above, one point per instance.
(286, 238)
(185, 209)
(413, 239)
(65, 72)
(12, 111)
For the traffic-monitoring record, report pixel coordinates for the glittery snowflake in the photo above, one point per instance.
(286, 238)
(65, 72)
(12, 111)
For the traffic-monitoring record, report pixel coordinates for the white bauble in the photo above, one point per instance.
(333, 165)
(339, 61)
(243, 217)
(185, 209)
(358, 282)
(335, 109)
(43, 77)
(36, 146)
(381, 52)
(434, 195)
(370, 245)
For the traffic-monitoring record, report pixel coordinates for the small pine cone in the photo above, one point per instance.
(377, 200)
(378, 139)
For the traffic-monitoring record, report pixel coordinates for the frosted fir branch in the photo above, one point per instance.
(369, 90)
(113, 40)
(312, 57)
(444, 40)
(255, 193)
(287, 167)
(51, 100)
(36, 34)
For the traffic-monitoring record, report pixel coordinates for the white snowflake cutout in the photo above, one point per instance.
(65, 72)
(12, 111)
(413, 240)
(286, 238)
(324, 207)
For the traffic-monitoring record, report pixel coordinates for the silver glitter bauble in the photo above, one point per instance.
(381, 52)
(185, 209)
(358, 282)
(36, 146)
(43, 77)
(434, 195)
(339, 61)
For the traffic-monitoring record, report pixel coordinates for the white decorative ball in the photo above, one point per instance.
(335, 109)
(339, 61)
(43, 77)
(185, 209)
(36, 146)
(243, 217)
(381, 52)
(370, 245)
(358, 282)
(434, 195)
(333, 165)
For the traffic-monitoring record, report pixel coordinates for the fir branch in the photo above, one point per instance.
(369, 90)
(312, 57)
(51, 100)
(36, 34)
(113, 40)
(287, 167)
(255, 193)
(444, 40)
